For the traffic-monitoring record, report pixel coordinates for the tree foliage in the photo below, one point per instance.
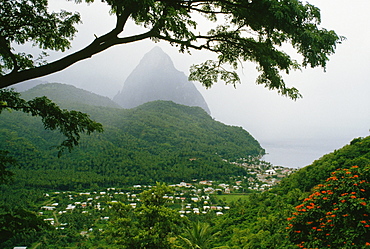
(69, 123)
(252, 31)
(149, 226)
(19, 226)
(197, 236)
(5, 162)
(336, 214)
(26, 21)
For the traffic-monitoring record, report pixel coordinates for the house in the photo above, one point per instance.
(270, 172)
(48, 208)
(223, 185)
(133, 205)
(182, 184)
(51, 220)
(195, 199)
(209, 190)
(70, 207)
(209, 183)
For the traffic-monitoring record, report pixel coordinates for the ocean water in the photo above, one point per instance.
(297, 154)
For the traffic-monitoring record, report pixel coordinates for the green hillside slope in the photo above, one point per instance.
(264, 220)
(68, 95)
(158, 141)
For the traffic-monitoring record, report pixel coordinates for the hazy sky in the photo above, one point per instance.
(335, 104)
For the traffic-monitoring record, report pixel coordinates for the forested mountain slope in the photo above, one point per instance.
(264, 220)
(158, 141)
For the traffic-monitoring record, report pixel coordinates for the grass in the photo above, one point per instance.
(228, 198)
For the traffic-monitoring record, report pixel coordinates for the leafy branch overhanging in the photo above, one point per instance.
(253, 31)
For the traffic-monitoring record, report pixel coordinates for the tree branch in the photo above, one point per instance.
(3, 44)
(98, 45)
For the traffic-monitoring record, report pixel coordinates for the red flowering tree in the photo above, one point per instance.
(336, 214)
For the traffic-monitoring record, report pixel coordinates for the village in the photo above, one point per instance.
(90, 210)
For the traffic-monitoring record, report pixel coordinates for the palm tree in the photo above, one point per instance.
(198, 236)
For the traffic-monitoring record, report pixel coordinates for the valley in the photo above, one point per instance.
(162, 170)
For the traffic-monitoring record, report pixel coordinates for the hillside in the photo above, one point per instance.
(264, 220)
(69, 96)
(157, 141)
(164, 141)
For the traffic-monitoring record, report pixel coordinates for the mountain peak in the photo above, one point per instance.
(156, 78)
(157, 58)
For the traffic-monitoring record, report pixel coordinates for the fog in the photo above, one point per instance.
(335, 104)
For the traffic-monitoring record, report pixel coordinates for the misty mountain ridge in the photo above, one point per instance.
(68, 95)
(156, 78)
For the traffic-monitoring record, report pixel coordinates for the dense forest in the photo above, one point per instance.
(333, 213)
(158, 141)
(323, 205)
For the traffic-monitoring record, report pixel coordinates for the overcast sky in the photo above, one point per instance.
(335, 104)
